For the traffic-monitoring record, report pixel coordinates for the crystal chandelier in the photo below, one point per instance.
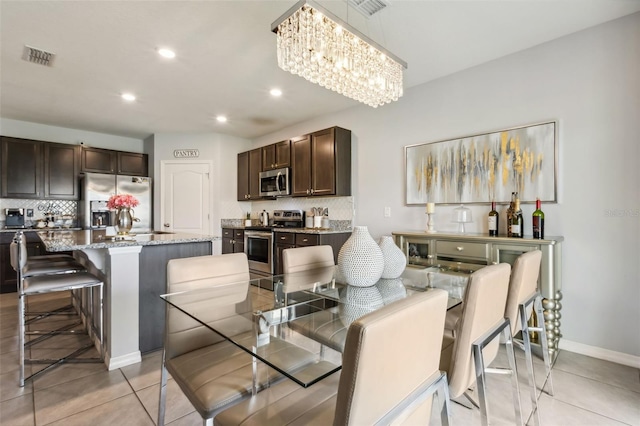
(318, 46)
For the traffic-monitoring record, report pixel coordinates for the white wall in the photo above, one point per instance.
(222, 151)
(43, 132)
(590, 82)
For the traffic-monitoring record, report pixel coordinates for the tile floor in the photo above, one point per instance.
(587, 391)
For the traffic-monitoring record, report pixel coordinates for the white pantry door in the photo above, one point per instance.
(186, 202)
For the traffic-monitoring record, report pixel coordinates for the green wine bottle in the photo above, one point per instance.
(538, 221)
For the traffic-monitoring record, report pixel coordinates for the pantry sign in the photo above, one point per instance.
(186, 153)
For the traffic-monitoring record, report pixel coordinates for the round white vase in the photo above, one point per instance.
(360, 259)
(394, 259)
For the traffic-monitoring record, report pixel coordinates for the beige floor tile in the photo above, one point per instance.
(604, 371)
(191, 419)
(57, 402)
(17, 411)
(610, 401)
(554, 412)
(9, 361)
(9, 387)
(126, 410)
(67, 372)
(177, 405)
(8, 344)
(145, 373)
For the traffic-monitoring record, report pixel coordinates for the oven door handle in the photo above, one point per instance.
(258, 234)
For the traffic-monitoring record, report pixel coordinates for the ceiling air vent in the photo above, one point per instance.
(38, 56)
(368, 7)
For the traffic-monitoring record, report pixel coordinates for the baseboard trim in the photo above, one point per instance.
(123, 360)
(600, 353)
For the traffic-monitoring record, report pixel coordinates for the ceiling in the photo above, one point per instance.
(226, 57)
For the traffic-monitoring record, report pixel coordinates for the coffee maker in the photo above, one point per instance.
(100, 215)
(15, 218)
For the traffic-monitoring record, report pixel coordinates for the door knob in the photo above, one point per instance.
(166, 225)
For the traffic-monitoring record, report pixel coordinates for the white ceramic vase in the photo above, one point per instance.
(360, 259)
(394, 259)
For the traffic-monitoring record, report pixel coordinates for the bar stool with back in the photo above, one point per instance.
(42, 277)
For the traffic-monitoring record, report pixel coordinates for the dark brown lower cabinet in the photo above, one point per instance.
(285, 240)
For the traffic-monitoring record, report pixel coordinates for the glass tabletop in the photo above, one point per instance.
(300, 327)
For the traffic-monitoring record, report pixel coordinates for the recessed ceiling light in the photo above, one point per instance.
(276, 92)
(221, 119)
(128, 97)
(167, 53)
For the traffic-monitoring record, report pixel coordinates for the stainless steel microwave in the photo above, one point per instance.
(275, 183)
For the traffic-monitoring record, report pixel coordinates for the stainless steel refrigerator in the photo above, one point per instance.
(96, 188)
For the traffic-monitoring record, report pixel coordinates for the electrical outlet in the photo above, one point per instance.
(387, 212)
(29, 212)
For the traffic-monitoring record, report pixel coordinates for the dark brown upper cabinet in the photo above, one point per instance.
(98, 160)
(132, 164)
(321, 163)
(21, 168)
(36, 169)
(61, 170)
(249, 168)
(276, 156)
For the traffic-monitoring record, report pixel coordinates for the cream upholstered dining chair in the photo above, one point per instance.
(305, 258)
(522, 299)
(42, 277)
(475, 341)
(389, 373)
(211, 372)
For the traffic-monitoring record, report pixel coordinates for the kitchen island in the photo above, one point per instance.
(134, 273)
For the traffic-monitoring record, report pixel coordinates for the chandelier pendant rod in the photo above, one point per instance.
(345, 25)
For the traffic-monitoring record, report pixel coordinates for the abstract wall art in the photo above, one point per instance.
(485, 167)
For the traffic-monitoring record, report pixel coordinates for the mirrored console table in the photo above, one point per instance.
(465, 253)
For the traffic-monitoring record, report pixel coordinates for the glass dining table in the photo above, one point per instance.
(306, 315)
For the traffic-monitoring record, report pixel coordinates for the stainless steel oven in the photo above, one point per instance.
(258, 245)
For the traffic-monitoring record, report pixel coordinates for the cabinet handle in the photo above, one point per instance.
(312, 191)
(167, 225)
(494, 263)
(429, 256)
(459, 248)
(307, 192)
(304, 240)
(283, 238)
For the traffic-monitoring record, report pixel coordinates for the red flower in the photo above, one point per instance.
(122, 200)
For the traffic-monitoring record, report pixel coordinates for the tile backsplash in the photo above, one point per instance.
(40, 207)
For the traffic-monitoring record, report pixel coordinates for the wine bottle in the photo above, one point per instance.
(517, 223)
(493, 220)
(510, 213)
(538, 221)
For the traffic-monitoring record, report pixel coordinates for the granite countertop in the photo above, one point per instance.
(313, 230)
(300, 230)
(79, 240)
(34, 229)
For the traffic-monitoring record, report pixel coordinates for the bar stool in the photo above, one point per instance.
(50, 277)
